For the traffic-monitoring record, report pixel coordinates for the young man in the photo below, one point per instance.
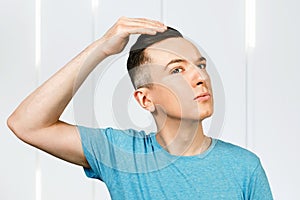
(176, 162)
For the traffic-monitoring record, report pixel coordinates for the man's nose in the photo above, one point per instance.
(197, 76)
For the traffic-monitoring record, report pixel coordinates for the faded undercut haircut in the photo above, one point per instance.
(139, 75)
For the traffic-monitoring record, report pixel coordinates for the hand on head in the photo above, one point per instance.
(116, 38)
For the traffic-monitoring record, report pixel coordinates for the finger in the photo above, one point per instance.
(141, 25)
(144, 20)
(142, 30)
(141, 22)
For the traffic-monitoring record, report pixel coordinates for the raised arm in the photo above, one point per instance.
(36, 119)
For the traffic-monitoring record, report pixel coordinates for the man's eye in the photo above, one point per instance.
(176, 70)
(202, 66)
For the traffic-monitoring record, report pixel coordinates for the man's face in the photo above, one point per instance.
(181, 85)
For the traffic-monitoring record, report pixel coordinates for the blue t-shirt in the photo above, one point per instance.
(134, 166)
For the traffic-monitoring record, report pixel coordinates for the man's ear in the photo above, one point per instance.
(143, 97)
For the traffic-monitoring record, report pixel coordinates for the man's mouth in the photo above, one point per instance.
(202, 97)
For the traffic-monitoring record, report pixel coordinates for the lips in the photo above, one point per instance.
(202, 97)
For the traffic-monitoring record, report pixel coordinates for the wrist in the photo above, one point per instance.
(102, 50)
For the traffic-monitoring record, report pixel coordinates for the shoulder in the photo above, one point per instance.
(124, 139)
(234, 150)
(245, 168)
(236, 155)
(237, 162)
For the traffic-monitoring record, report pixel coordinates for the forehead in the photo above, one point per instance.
(164, 51)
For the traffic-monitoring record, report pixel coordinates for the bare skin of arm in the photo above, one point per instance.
(36, 119)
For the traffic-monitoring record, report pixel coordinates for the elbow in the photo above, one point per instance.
(14, 125)
(11, 123)
(21, 128)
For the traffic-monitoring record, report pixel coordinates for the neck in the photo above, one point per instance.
(182, 137)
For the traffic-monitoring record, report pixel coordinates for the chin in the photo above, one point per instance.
(196, 117)
(206, 114)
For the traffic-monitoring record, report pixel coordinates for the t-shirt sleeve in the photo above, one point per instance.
(95, 144)
(259, 186)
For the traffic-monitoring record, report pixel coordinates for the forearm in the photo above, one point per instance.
(44, 106)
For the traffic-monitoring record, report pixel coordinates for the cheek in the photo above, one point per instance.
(165, 96)
(174, 99)
(178, 85)
(178, 89)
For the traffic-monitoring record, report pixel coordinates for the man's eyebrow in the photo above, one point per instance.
(175, 61)
(178, 60)
(202, 59)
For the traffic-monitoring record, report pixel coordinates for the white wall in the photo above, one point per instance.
(275, 94)
(260, 83)
(17, 75)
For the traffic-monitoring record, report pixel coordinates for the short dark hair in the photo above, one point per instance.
(137, 56)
